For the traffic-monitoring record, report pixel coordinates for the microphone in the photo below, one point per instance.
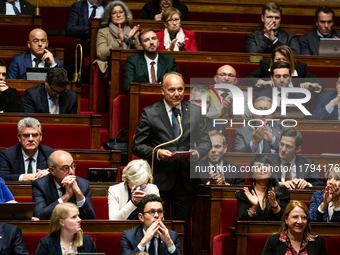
(177, 114)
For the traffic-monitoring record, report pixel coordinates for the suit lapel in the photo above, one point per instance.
(185, 115)
(165, 118)
(63, 103)
(143, 66)
(28, 60)
(53, 188)
(160, 67)
(85, 12)
(41, 159)
(315, 42)
(43, 98)
(20, 161)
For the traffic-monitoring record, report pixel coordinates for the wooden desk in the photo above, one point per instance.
(35, 21)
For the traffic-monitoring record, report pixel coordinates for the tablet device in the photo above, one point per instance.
(102, 174)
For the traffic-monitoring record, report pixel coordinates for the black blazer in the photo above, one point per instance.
(256, 42)
(10, 101)
(154, 128)
(309, 43)
(11, 242)
(263, 73)
(301, 170)
(35, 101)
(274, 246)
(132, 237)
(45, 196)
(150, 10)
(233, 178)
(78, 20)
(51, 245)
(26, 7)
(12, 163)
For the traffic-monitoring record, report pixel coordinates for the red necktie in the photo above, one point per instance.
(153, 75)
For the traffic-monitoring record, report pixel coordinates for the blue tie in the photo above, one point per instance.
(175, 125)
(17, 12)
(151, 250)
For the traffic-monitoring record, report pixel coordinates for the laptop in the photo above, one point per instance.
(36, 74)
(329, 47)
(16, 211)
(102, 174)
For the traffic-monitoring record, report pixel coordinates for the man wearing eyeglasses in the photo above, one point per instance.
(152, 236)
(62, 185)
(328, 104)
(227, 75)
(51, 96)
(27, 160)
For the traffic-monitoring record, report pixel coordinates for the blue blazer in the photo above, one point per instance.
(77, 24)
(26, 7)
(17, 68)
(35, 101)
(132, 237)
(320, 112)
(11, 242)
(309, 43)
(5, 193)
(12, 162)
(45, 196)
(314, 213)
(51, 245)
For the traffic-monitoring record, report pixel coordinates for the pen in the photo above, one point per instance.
(139, 189)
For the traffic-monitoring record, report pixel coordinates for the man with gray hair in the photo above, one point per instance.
(263, 136)
(27, 160)
(62, 185)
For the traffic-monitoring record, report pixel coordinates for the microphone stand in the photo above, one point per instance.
(166, 143)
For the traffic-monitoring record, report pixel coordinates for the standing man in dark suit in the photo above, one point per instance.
(263, 139)
(328, 104)
(324, 20)
(16, 7)
(11, 241)
(79, 20)
(61, 185)
(149, 66)
(214, 169)
(265, 40)
(51, 96)
(27, 160)
(158, 125)
(152, 236)
(296, 172)
(38, 56)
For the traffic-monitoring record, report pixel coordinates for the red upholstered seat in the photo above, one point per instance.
(20, 38)
(51, 14)
(232, 42)
(228, 215)
(120, 116)
(108, 243)
(101, 208)
(256, 244)
(222, 244)
(23, 199)
(32, 241)
(98, 91)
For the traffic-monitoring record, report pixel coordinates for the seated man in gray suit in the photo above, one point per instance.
(152, 235)
(324, 20)
(265, 137)
(149, 66)
(51, 96)
(27, 160)
(271, 36)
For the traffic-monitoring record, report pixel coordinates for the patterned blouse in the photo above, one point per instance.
(290, 250)
(71, 251)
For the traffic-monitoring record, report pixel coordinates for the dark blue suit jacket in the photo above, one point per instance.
(17, 68)
(320, 112)
(77, 24)
(45, 196)
(269, 93)
(132, 237)
(51, 245)
(26, 7)
(309, 43)
(314, 213)
(12, 162)
(35, 101)
(11, 242)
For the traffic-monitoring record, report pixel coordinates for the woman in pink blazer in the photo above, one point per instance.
(173, 37)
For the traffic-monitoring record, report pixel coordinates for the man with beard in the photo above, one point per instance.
(263, 136)
(227, 75)
(150, 66)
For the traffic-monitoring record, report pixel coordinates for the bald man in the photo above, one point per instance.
(38, 56)
(227, 75)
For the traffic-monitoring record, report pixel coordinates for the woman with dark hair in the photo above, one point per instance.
(154, 10)
(66, 235)
(173, 37)
(265, 199)
(300, 76)
(294, 236)
(115, 33)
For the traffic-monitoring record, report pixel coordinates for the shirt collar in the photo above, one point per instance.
(291, 162)
(327, 36)
(148, 60)
(169, 108)
(35, 156)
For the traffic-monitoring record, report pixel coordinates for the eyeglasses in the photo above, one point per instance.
(230, 75)
(170, 21)
(27, 136)
(152, 212)
(67, 168)
(296, 218)
(116, 13)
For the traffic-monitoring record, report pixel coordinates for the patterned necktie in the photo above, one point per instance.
(29, 168)
(153, 74)
(93, 14)
(288, 173)
(151, 250)
(175, 125)
(54, 109)
(16, 10)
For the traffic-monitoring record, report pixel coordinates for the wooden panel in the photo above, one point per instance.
(35, 21)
